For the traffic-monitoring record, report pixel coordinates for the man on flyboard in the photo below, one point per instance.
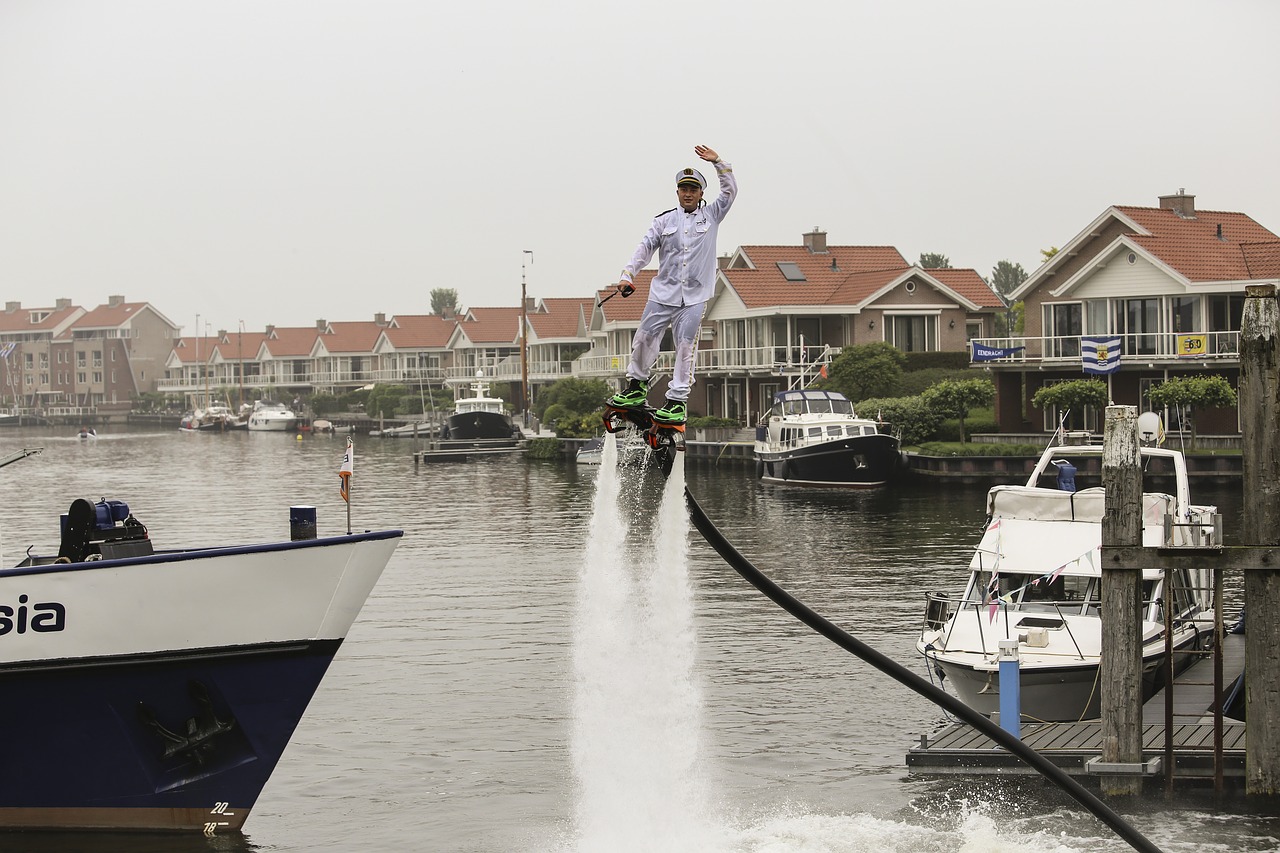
(685, 239)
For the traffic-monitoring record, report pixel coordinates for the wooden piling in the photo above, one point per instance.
(1121, 664)
(1259, 400)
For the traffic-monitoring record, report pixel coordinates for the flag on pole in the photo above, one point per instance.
(1100, 355)
(348, 465)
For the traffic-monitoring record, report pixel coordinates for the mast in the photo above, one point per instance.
(524, 341)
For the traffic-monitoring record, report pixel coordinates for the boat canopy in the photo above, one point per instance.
(809, 401)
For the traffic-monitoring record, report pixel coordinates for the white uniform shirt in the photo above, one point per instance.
(686, 247)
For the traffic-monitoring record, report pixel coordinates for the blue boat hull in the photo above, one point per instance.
(172, 740)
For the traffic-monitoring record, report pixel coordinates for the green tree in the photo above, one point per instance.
(1076, 394)
(1007, 277)
(867, 370)
(907, 417)
(444, 299)
(384, 400)
(954, 399)
(1046, 254)
(579, 396)
(934, 261)
(1191, 393)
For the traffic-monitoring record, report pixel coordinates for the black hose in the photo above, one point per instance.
(904, 676)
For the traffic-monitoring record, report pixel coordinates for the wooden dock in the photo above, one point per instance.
(958, 750)
(466, 451)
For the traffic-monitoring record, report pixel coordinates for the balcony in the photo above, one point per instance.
(734, 362)
(1164, 348)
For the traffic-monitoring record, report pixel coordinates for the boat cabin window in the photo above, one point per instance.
(1039, 593)
(834, 430)
(815, 431)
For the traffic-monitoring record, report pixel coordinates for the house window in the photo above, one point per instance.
(1225, 312)
(912, 332)
(1184, 314)
(1139, 321)
(1062, 321)
(1077, 419)
(80, 361)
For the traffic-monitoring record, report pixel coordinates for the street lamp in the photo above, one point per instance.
(524, 340)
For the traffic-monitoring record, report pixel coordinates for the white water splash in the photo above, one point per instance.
(637, 708)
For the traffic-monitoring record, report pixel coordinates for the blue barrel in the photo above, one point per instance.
(302, 522)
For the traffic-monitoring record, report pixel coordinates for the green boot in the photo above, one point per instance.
(635, 394)
(672, 413)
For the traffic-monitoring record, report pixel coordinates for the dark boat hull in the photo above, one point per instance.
(165, 741)
(858, 462)
(479, 426)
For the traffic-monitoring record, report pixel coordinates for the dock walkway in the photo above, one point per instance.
(959, 750)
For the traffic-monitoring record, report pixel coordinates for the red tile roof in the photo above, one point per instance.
(197, 350)
(356, 336)
(419, 331)
(967, 283)
(291, 342)
(19, 320)
(496, 326)
(824, 273)
(109, 316)
(1193, 248)
(561, 318)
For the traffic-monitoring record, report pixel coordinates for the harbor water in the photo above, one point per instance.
(551, 667)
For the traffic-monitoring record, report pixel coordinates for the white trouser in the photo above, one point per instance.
(685, 322)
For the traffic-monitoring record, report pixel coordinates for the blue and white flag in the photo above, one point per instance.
(1100, 355)
(982, 352)
(7, 348)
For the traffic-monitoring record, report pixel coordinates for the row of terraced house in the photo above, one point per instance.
(1149, 275)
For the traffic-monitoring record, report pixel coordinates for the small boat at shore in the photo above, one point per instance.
(814, 438)
(156, 689)
(214, 418)
(1035, 577)
(269, 416)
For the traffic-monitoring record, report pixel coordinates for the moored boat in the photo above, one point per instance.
(479, 417)
(214, 418)
(1035, 578)
(815, 438)
(269, 416)
(156, 689)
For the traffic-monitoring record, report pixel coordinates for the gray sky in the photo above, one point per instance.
(278, 162)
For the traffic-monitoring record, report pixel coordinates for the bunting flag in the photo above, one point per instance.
(982, 352)
(1100, 355)
(344, 474)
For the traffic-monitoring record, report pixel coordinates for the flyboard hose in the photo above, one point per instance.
(904, 676)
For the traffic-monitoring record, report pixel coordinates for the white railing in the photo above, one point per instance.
(1219, 346)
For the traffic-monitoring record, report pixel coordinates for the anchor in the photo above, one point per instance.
(202, 730)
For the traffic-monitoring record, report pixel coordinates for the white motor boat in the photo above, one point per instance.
(1035, 577)
(268, 416)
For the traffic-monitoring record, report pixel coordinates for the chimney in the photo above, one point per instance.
(1182, 204)
(10, 307)
(222, 334)
(270, 330)
(530, 304)
(320, 325)
(816, 241)
(380, 319)
(722, 262)
(114, 301)
(447, 312)
(61, 304)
